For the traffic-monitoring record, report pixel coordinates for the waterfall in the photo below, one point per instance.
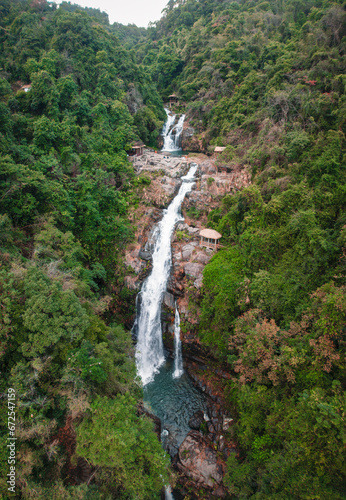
(169, 123)
(179, 129)
(168, 493)
(171, 132)
(135, 324)
(178, 357)
(149, 349)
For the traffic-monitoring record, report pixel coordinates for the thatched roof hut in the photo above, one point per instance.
(137, 149)
(209, 238)
(219, 149)
(173, 99)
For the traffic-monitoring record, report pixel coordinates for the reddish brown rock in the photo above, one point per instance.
(202, 258)
(193, 270)
(199, 461)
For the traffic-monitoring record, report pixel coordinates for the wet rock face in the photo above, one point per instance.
(190, 141)
(196, 420)
(144, 255)
(188, 132)
(169, 440)
(169, 300)
(198, 461)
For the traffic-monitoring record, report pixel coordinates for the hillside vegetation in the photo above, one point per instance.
(65, 186)
(267, 81)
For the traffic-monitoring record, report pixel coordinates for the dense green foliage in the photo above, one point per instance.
(266, 80)
(236, 63)
(123, 444)
(65, 185)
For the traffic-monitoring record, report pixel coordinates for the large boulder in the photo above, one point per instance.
(182, 226)
(169, 300)
(194, 270)
(187, 251)
(193, 230)
(198, 283)
(202, 258)
(169, 440)
(199, 461)
(143, 254)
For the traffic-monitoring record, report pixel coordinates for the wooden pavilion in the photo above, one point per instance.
(210, 238)
(26, 88)
(137, 149)
(173, 99)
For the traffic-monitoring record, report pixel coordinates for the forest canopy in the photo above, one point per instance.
(265, 80)
(72, 101)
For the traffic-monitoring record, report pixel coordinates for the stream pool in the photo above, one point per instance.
(174, 401)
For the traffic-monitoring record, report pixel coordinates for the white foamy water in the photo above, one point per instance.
(178, 356)
(149, 348)
(168, 493)
(171, 132)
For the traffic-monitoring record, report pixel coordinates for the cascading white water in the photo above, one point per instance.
(169, 122)
(179, 130)
(168, 493)
(149, 349)
(178, 356)
(171, 132)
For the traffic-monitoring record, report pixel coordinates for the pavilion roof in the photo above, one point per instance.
(138, 144)
(210, 233)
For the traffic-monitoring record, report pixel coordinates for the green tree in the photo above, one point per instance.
(125, 447)
(53, 317)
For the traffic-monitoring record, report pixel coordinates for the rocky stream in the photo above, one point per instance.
(194, 427)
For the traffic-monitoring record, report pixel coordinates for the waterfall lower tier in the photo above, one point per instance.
(171, 132)
(149, 349)
(178, 356)
(168, 391)
(168, 493)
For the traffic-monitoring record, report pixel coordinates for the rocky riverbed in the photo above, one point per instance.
(164, 173)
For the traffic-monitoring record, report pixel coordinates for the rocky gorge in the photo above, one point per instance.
(200, 458)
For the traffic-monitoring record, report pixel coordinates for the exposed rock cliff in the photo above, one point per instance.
(188, 257)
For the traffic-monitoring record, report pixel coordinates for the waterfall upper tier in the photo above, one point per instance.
(171, 132)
